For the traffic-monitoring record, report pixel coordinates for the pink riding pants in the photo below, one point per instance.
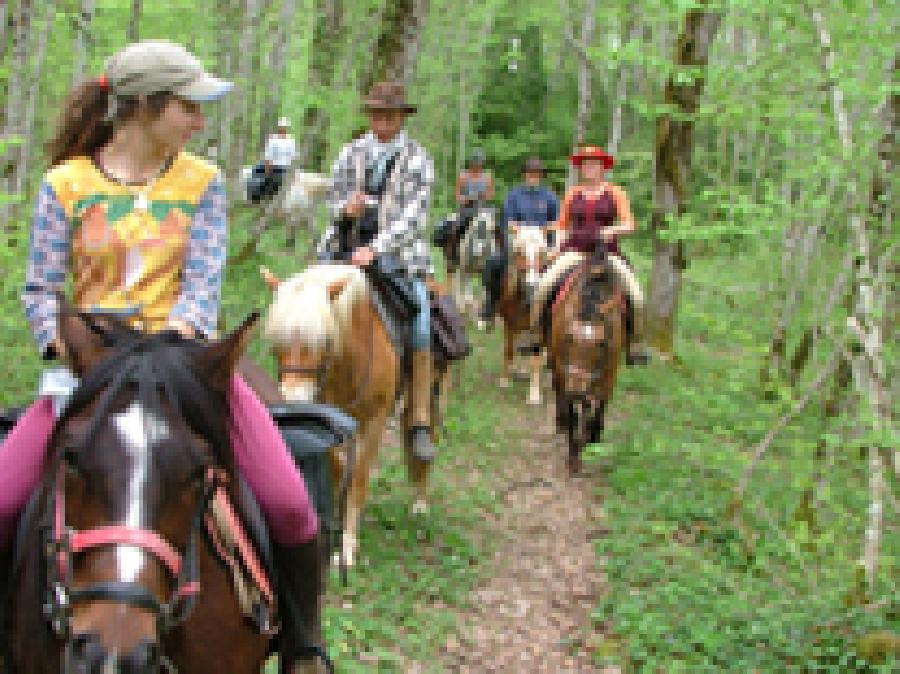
(259, 451)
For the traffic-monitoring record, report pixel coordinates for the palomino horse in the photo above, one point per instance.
(333, 347)
(585, 346)
(465, 267)
(528, 253)
(113, 555)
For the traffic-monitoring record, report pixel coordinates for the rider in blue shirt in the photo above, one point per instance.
(530, 204)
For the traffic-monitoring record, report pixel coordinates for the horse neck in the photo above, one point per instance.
(350, 369)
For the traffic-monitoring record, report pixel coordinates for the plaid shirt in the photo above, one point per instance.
(404, 206)
(50, 248)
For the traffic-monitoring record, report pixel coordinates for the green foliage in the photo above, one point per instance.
(689, 589)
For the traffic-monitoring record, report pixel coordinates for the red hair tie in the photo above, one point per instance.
(103, 82)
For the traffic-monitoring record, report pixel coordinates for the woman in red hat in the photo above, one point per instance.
(596, 210)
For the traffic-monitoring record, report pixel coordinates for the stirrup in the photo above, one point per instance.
(425, 457)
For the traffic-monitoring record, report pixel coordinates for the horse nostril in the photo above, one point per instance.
(87, 650)
(145, 659)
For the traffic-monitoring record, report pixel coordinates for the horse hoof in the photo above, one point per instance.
(481, 324)
(534, 399)
(420, 507)
(574, 463)
(504, 382)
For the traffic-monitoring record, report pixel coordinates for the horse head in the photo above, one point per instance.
(480, 237)
(529, 254)
(137, 453)
(305, 191)
(308, 323)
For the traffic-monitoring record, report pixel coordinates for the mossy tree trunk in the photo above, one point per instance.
(674, 144)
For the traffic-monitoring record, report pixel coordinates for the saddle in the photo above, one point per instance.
(397, 306)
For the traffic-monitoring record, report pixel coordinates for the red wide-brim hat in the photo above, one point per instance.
(592, 152)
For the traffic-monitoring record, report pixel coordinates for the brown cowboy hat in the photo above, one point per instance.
(388, 96)
(592, 152)
(533, 165)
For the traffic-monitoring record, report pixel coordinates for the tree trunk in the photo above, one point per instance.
(278, 67)
(39, 49)
(585, 75)
(83, 23)
(329, 35)
(674, 143)
(134, 22)
(13, 129)
(242, 97)
(4, 8)
(616, 130)
(867, 359)
(398, 42)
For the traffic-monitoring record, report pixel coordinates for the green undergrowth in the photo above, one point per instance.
(690, 589)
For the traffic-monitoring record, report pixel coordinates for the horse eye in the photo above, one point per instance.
(69, 456)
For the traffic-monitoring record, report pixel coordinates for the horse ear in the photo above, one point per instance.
(271, 280)
(335, 288)
(83, 338)
(221, 357)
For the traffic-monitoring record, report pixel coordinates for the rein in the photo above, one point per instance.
(64, 543)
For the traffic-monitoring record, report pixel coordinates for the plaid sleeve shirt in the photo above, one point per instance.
(50, 248)
(404, 209)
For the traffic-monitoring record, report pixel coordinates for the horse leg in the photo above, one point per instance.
(508, 353)
(368, 441)
(534, 390)
(574, 432)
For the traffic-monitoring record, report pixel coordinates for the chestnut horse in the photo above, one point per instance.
(114, 572)
(528, 253)
(585, 346)
(332, 347)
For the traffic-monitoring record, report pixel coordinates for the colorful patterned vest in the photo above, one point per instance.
(129, 242)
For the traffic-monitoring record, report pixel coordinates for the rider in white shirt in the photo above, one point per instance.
(277, 159)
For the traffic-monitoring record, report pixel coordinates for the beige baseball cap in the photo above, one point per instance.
(154, 66)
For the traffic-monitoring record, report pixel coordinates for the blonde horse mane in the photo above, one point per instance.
(527, 237)
(302, 313)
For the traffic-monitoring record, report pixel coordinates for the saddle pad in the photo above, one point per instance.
(242, 543)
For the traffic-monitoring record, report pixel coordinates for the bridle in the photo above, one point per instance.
(62, 544)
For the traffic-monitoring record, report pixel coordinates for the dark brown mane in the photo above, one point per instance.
(153, 369)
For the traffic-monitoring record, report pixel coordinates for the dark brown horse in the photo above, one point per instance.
(115, 573)
(585, 347)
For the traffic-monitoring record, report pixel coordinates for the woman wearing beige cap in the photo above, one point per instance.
(139, 226)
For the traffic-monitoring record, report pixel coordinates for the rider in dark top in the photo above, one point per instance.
(530, 204)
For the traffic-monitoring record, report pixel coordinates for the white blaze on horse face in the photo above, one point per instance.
(140, 431)
(300, 391)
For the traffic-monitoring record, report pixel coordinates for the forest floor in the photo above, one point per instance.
(531, 613)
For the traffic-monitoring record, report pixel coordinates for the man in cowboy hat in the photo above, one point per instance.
(277, 159)
(379, 202)
(530, 204)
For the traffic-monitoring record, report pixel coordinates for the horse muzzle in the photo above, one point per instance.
(86, 655)
(578, 381)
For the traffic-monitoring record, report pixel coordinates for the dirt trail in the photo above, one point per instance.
(532, 611)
